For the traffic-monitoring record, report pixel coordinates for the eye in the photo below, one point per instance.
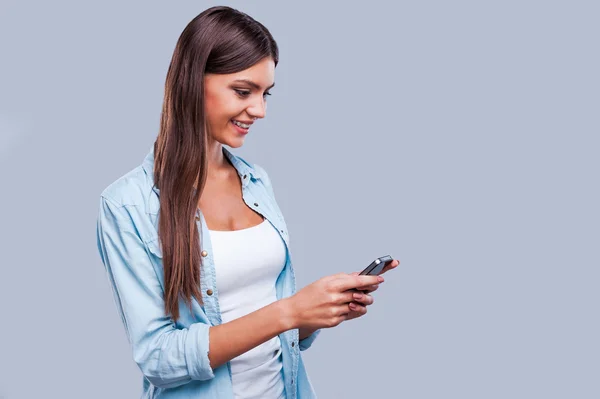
(244, 93)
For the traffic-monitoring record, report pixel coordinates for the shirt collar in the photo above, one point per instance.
(242, 167)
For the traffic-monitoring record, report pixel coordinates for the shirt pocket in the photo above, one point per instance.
(154, 247)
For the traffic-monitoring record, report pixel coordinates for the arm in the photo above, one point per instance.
(169, 356)
(229, 340)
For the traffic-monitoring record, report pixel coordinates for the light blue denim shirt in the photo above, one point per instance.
(173, 357)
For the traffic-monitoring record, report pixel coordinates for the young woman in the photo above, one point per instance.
(194, 243)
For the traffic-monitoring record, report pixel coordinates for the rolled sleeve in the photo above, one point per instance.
(305, 343)
(196, 352)
(167, 356)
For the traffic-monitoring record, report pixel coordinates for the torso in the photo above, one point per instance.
(224, 208)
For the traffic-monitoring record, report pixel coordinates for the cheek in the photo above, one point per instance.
(220, 109)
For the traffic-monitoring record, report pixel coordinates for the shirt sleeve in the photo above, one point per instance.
(305, 343)
(167, 356)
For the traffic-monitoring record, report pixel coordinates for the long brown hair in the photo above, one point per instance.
(219, 40)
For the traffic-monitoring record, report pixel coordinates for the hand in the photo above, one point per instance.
(362, 299)
(359, 306)
(371, 288)
(325, 303)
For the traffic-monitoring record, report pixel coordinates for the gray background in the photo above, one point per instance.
(460, 138)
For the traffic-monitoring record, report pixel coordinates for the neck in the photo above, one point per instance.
(218, 164)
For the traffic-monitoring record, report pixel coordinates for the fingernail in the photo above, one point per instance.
(357, 296)
(380, 279)
(352, 306)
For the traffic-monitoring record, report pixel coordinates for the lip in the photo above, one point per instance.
(244, 122)
(239, 129)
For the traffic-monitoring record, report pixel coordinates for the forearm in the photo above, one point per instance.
(231, 339)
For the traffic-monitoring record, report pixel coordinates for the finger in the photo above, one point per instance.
(342, 310)
(391, 266)
(347, 297)
(369, 288)
(351, 295)
(342, 317)
(364, 299)
(343, 313)
(357, 308)
(349, 282)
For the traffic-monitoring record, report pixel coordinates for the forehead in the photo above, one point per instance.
(262, 73)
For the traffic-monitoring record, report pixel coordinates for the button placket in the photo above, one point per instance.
(204, 253)
(208, 287)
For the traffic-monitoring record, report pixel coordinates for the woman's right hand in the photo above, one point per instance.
(325, 303)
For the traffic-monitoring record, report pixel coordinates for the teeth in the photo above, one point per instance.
(240, 124)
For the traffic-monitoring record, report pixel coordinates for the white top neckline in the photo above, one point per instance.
(240, 230)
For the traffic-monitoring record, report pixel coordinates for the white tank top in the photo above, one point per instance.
(247, 264)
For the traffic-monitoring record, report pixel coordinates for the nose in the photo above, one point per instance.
(258, 109)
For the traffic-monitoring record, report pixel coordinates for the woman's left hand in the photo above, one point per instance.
(362, 299)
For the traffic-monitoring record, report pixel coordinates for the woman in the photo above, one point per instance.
(221, 319)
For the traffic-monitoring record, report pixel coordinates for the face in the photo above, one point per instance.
(240, 97)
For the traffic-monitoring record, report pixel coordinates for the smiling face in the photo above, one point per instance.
(240, 97)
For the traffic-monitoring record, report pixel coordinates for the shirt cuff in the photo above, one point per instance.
(196, 352)
(307, 342)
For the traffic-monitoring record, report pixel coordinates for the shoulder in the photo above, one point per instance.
(129, 189)
(130, 202)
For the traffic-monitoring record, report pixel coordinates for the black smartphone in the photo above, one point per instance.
(377, 266)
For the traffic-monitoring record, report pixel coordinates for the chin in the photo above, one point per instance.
(234, 142)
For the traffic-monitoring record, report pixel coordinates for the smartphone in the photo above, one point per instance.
(377, 266)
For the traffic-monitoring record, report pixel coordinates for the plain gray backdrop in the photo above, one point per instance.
(461, 138)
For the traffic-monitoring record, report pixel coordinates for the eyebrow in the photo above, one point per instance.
(251, 83)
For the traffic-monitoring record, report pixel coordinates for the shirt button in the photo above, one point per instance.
(209, 292)
(293, 344)
(244, 176)
(256, 204)
(204, 253)
(197, 217)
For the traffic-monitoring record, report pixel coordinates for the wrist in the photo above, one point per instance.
(289, 317)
